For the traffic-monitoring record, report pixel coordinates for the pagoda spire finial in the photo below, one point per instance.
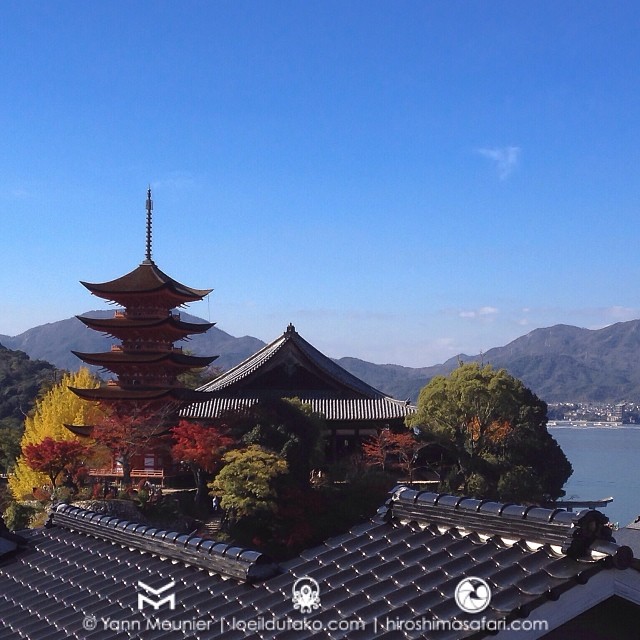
(149, 211)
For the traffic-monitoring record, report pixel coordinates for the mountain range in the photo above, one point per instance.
(560, 363)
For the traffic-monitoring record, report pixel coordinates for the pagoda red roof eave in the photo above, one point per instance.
(147, 277)
(164, 291)
(83, 431)
(168, 298)
(107, 325)
(127, 358)
(116, 393)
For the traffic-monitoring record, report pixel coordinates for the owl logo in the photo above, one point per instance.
(472, 595)
(305, 594)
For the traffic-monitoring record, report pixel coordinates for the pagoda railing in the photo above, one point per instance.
(119, 473)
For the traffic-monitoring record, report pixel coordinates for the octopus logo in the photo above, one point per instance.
(472, 595)
(305, 594)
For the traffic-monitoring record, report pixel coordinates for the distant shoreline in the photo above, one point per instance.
(586, 424)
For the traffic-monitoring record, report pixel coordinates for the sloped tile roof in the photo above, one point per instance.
(114, 358)
(146, 277)
(338, 409)
(114, 326)
(316, 358)
(357, 400)
(403, 565)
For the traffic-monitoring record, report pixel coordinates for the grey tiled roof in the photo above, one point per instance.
(341, 397)
(316, 358)
(404, 564)
(223, 559)
(338, 409)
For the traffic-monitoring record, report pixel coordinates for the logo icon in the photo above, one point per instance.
(156, 604)
(305, 594)
(473, 595)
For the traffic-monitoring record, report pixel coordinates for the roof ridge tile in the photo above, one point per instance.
(575, 533)
(227, 560)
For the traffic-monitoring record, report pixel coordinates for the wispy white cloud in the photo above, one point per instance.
(620, 314)
(505, 159)
(14, 192)
(482, 312)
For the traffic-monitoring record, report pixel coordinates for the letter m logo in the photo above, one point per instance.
(156, 604)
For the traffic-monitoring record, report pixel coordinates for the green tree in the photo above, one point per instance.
(288, 428)
(22, 380)
(9, 448)
(495, 431)
(18, 515)
(246, 483)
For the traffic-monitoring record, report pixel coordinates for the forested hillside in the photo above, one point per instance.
(20, 382)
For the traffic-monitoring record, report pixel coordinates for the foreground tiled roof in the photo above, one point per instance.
(82, 573)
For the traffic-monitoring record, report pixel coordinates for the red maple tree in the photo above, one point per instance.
(130, 429)
(388, 448)
(201, 448)
(55, 456)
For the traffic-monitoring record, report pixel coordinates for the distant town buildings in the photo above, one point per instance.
(622, 412)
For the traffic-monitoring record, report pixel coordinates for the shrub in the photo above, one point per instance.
(18, 515)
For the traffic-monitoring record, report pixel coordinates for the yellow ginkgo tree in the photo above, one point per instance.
(57, 407)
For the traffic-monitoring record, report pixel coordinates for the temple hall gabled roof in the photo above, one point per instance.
(292, 367)
(402, 566)
(329, 373)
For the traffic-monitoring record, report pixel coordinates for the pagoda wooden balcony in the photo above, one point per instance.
(135, 473)
(116, 472)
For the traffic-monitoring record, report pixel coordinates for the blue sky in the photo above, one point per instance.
(403, 181)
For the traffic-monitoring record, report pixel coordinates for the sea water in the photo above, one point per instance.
(605, 464)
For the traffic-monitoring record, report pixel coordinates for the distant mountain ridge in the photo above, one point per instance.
(54, 342)
(560, 363)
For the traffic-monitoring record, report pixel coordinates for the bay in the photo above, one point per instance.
(605, 463)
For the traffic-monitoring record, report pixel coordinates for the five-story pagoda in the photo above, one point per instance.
(146, 361)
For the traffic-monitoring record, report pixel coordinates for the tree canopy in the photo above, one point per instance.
(390, 449)
(246, 482)
(200, 448)
(131, 428)
(55, 456)
(9, 448)
(286, 427)
(57, 407)
(494, 431)
(21, 381)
